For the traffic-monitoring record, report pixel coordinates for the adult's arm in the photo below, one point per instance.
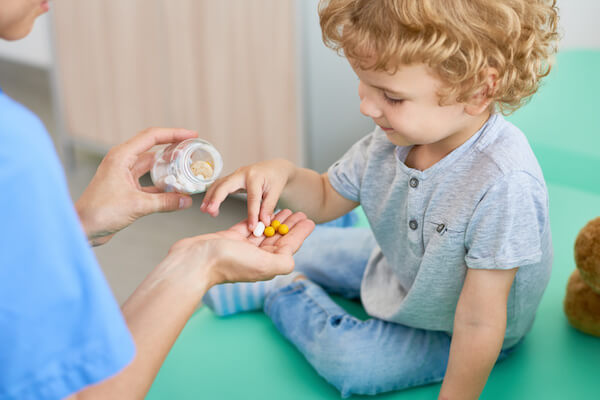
(160, 307)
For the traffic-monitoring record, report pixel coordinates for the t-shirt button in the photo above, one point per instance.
(414, 182)
(413, 224)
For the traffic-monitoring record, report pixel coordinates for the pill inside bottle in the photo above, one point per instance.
(186, 167)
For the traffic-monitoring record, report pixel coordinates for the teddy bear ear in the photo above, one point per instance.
(587, 254)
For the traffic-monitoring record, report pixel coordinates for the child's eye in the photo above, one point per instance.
(392, 100)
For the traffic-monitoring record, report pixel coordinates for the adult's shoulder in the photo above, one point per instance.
(14, 116)
(62, 329)
(25, 145)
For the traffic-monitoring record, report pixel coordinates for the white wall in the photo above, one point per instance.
(579, 23)
(34, 49)
(332, 121)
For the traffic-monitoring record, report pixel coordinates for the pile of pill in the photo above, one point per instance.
(202, 168)
(269, 231)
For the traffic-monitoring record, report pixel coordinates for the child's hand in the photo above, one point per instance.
(263, 181)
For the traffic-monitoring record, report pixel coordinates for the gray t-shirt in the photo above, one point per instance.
(483, 206)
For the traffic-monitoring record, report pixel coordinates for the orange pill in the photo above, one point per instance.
(269, 231)
(275, 223)
(283, 229)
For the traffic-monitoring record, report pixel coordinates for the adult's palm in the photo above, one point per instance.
(239, 256)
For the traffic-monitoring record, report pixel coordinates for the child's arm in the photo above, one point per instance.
(265, 182)
(479, 328)
(310, 192)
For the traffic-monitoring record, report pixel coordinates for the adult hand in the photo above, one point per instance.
(236, 255)
(114, 198)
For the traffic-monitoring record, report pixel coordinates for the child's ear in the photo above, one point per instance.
(481, 100)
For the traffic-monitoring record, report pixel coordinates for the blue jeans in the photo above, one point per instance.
(357, 357)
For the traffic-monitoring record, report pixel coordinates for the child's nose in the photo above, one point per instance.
(369, 108)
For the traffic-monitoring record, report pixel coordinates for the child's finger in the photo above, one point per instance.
(268, 206)
(220, 191)
(208, 194)
(254, 188)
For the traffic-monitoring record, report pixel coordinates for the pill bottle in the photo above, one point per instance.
(186, 167)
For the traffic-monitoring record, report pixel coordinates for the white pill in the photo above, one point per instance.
(189, 187)
(260, 228)
(170, 180)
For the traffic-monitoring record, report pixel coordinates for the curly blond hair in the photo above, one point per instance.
(458, 39)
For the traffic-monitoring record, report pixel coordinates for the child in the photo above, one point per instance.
(460, 250)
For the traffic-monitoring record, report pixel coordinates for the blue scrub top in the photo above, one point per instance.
(60, 327)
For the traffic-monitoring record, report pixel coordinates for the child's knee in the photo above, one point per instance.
(342, 366)
(349, 375)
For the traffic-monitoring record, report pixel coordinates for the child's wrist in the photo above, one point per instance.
(290, 169)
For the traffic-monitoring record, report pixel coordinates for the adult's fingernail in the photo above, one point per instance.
(185, 202)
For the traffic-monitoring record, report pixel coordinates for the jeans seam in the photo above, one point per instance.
(289, 289)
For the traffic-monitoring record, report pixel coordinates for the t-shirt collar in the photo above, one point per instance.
(402, 151)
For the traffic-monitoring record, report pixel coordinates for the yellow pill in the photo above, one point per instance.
(275, 224)
(283, 229)
(269, 231)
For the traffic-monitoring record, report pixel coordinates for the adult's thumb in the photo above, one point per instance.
(164, 202)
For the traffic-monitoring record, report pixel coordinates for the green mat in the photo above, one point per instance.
(244, 357)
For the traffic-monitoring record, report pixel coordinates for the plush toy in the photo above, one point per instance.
(582, 303)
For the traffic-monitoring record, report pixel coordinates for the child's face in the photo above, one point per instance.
(18, 16)
(406, 106)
